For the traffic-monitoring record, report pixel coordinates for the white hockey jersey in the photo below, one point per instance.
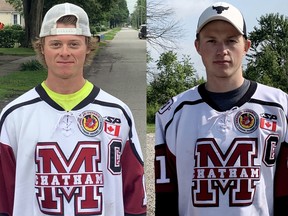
(87, 161)
(221, 163)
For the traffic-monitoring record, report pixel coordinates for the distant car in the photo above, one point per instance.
(142, 34)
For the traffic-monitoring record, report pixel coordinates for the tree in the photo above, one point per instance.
(32, 10)
(138, 17)
(118, 13)
(97, 10)
(163, 29)
(268, 60)
(175, 76)
(17, 4)
(93, 8)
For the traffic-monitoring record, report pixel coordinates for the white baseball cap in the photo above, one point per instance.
(49, 24)
(223, 11)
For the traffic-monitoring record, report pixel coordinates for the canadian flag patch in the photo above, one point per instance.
(268, 124)
(112, 129)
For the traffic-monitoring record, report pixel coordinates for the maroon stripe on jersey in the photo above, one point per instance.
(7, 179)
(281, 174)
(165, 169)
(132, 174)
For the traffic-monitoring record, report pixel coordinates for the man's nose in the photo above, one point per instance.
(222, 48)
(65, 51)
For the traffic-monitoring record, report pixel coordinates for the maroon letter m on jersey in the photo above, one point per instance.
(232, 173)
(60, 180)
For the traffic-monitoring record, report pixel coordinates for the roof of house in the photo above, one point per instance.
(4, 6)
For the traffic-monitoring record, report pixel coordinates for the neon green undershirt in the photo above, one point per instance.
(69, 101)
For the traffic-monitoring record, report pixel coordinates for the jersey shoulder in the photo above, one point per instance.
(27, 97)
(106, 97)
(189, 96)
(271, 95)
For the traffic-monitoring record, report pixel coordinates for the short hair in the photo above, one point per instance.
(92, 43)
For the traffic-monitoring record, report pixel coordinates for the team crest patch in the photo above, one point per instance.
(90, 123)
(246, 121)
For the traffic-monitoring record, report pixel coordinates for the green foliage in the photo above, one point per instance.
(173, 78)
(138, 16)
(150, 128)
(118, 14)
(268, 61)
(150, 112)
(99, 11)
(33, 65)
(17, 4)
(111, 34)
(16, 27)
(11, 35)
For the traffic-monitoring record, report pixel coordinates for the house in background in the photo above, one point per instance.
(9, 16)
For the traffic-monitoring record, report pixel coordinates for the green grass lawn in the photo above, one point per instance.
(18, 82)
(150, 128)
(111, 34)
(17, 51)
(15, 84)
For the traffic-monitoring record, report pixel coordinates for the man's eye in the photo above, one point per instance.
(55, 45)
(211, 41)
(232, 41)
(74, 45)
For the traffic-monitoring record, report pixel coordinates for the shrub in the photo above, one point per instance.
(16, 27)
(151, 111)
(32, 65)
(98, 29)
(11, 35)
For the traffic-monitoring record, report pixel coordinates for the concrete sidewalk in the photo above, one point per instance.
(14, 65)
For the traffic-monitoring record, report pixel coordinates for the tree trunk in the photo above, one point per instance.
(33, 10)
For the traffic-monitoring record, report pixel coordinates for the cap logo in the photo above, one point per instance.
(219, 9)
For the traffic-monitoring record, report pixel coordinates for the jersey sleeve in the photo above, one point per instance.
(134, 193)
(7, 173)
(166, 185)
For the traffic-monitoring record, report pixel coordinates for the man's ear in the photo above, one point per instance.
(197, 45)
(247, 45)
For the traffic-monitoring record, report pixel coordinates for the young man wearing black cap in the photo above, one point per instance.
(66, 146)
(218, 144)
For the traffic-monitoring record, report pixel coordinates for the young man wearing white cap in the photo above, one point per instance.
(66, 146)
(218, 144)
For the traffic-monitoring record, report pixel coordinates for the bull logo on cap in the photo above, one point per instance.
(219, 9)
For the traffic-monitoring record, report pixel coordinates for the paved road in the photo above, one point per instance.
(120, 69)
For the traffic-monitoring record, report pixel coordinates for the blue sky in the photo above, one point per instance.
(188, 12)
